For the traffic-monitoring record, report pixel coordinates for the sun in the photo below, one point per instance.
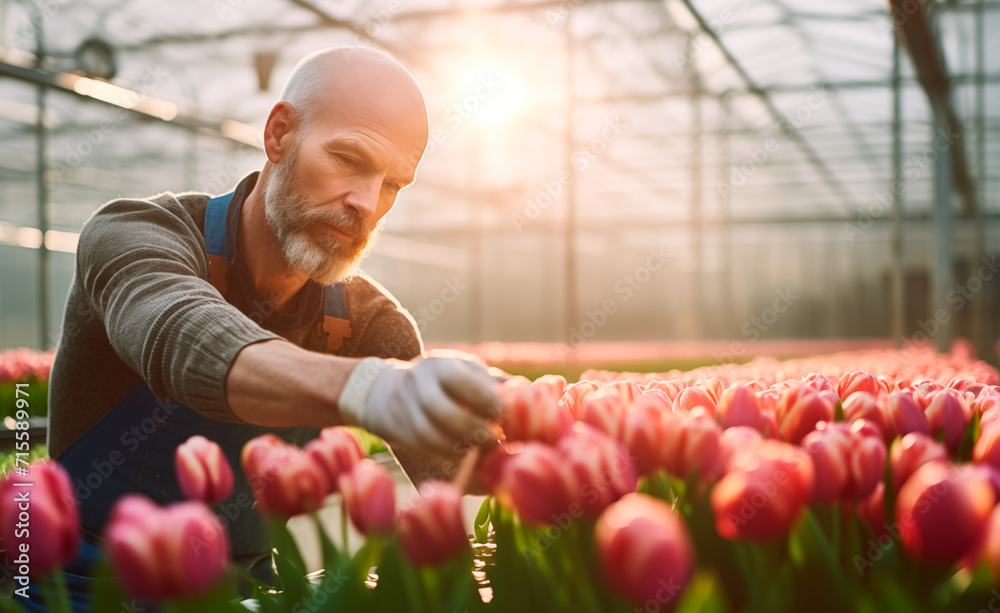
(491, 95)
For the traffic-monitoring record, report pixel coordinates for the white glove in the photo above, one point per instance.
(429, 404)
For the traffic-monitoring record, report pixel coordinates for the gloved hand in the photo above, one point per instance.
(430, 404)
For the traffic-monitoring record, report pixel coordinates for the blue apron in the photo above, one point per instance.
(148, 467)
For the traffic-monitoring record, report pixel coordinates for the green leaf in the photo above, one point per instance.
(838, 412)
(972, 433)
(331, 557)
(482, 524)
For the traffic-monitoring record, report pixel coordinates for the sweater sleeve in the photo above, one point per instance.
(143, 267)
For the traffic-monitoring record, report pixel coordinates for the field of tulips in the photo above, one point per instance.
(864, 481)
(25, 366)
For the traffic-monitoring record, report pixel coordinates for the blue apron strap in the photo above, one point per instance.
(215, 240)
(336, 320)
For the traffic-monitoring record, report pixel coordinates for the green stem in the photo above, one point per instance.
(343, 527)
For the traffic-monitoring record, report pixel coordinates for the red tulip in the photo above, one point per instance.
(859, 381)
(203, 471)
(644, 551)
(910, 453)
(600, 469)
(535, 483)
(848, 460)
(285, 481)
(336, 451)
(987, 547)
(946, 414)
(942, 511)
(764, 493)
(871, 510)
(533, 413)
(431, 530)
(904, 415)
(370, 497)
(799, 410)
(738, 407)
(604, 411)
(818, 382)
(49, 508)
(166, 553)
(627, 391)
(693, 397)
(655, 398)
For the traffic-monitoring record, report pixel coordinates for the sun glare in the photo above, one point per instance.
(491, 95)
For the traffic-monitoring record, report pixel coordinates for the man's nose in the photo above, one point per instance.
(363, 197)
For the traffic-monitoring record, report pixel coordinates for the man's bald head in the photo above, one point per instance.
(340, 82)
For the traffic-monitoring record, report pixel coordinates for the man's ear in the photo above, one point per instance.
(279, 131)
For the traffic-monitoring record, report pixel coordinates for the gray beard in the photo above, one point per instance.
(324, 258)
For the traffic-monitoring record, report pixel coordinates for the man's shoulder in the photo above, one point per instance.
(188, 207)
(382, 325)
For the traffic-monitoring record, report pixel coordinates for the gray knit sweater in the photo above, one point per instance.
(141, 306)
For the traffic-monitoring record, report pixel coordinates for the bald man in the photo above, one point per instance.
(245, 313)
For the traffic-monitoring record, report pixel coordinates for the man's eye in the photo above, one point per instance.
(392, 186)
(346, 159)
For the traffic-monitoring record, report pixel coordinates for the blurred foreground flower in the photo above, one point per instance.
(369, 497)
(203, 472)
(431, 531)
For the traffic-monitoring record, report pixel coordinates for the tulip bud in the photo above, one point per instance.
(736, 439)
(738, 407)
(764, 493)
(203, 471)
(556, 382)
(370, 497)
(987, 547)
(946, 414)
(168, 553)
(799, 410)
(987, 448)
(871, 510)
(532, 412)
(848, 459)
(692, 445)
(535, 483)
(942, 511)
(605, 412)
(644, 550)
(905, 415)
(627, 391)
(431, 530)
(671, 388)
(862, 405)
(859, 381)
(53, 537)
(713, 386)
(336, 451)
(910, 453)
(600, 469)
(645, 434)
(693, 397)
(818, 382)
(286, 482)
(575, 394)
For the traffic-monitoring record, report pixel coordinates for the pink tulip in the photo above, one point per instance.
(738, 406)
(285, 481)
(556, 382)
(859, 381)
(799, 410)
(910, 453)
(575, 394)
(369, 497)
(862, 405)
(819, 383)
(605, 412)
(53, 535)
(670, 388)
(713, 386)
(871, 510)
(644, 550)
(533, 413)
(431, 530)
(644, 434)
(904, 415)
(848, 458)
(655, 398)
(166, 553)
(203, 471)
(336, 451)
(693, 397)
(736, 439)
(946, 414)
(535, 483)
(987, 448)
(987, 547)
(764, 493)
(942, 511)
(627, 391)
(599, 470)
(692, 445)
